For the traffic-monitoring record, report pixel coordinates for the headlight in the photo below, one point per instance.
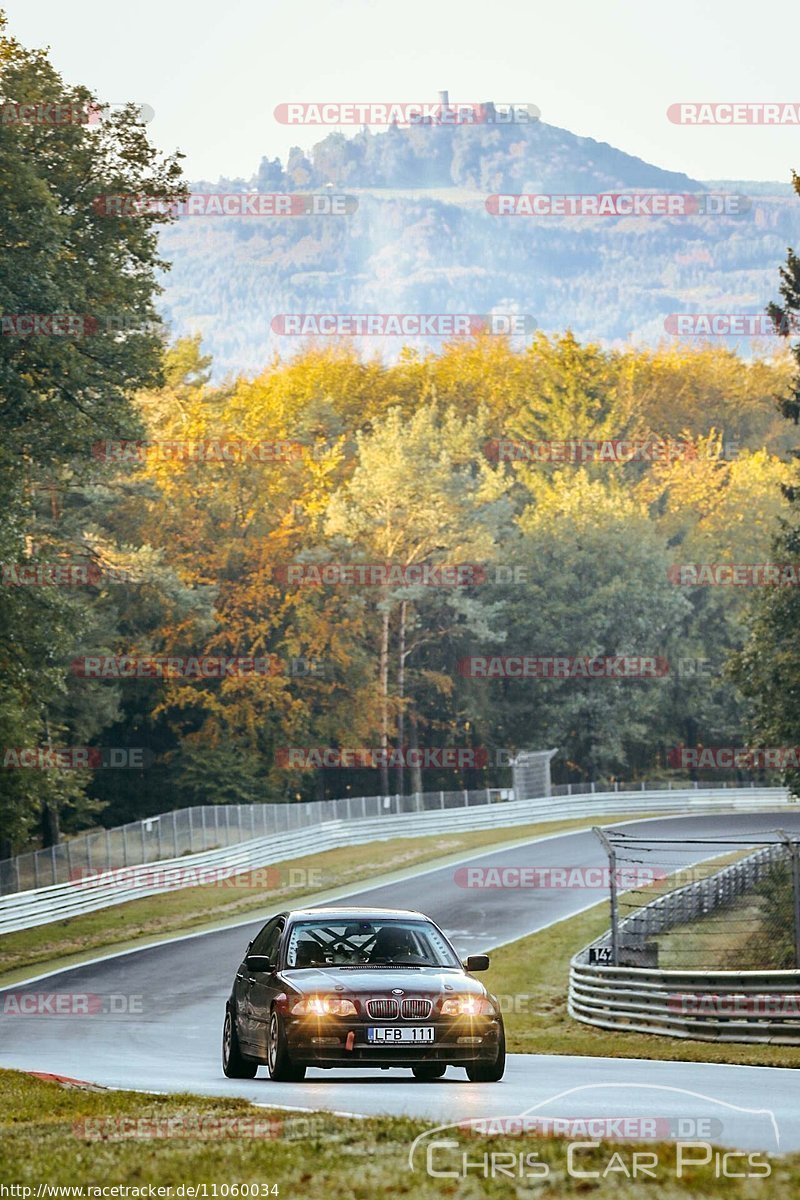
(467, 1006)
(324, 1006)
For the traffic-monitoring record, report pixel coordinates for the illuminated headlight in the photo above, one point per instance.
(467, 1006)
(324, 1006)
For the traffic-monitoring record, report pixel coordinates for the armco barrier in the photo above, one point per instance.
(722, 1006)
(23, 910)
(719, 1006)
(212, 826)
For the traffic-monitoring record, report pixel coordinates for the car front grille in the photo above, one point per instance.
(384, 1010)
(417, 1009)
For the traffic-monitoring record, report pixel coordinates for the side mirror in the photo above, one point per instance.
(258, 962)
(477, 962)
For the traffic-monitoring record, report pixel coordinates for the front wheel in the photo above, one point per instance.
(428, 1071)
(234, 1065)
(492, 1070)
(279, 1061)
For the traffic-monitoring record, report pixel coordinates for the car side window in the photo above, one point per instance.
(263, 939)
(268, 941)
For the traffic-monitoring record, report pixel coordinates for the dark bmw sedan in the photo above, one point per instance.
(350, 987)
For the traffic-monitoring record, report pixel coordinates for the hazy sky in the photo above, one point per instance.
(214, 70)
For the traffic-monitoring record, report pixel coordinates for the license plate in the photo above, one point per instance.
(388, 1035)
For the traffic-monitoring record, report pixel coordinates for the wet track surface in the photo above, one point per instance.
(172, 1042)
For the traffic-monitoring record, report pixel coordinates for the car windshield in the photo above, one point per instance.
(356, 943)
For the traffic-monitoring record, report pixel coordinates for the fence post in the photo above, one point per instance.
(175, 832)
(612, 892)
(794, 851)
(441, 799)
(53, 860)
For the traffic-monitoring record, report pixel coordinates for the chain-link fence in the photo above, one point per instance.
(700, 903)
(208, 827)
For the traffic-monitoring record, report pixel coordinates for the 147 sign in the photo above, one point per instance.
(600, 955)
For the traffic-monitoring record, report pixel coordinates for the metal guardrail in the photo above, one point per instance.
(210, 827)
(708, 1005)
(56, 902)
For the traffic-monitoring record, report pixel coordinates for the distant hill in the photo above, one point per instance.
(422, 241)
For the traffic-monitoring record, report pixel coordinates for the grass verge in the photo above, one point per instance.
(61, 943)
(531, 976)
(81, 1139)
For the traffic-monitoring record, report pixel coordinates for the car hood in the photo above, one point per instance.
(372, 981)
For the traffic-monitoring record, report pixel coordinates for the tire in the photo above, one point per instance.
(234, 1064)
(279, 1061)
(429, 1071)
(490, 1071)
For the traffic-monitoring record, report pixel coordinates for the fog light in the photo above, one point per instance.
(470, 1041)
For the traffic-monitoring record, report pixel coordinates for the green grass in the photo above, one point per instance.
(724, 941)
(535, 971)
(136, 922)
(47, 1135)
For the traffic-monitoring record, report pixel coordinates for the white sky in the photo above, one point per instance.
(214, 70)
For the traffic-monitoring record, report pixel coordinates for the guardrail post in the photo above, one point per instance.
(612, 893)
(794, 851)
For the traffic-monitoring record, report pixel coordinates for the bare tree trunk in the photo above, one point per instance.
(401, 681)
(413, 739)
(384, 676)
(51, 827)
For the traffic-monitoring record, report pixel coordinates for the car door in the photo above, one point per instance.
(263, 986)
(246, 982)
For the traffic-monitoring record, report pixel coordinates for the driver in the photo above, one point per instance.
(394, 942)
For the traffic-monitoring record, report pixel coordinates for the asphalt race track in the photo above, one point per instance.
(172, 1043)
